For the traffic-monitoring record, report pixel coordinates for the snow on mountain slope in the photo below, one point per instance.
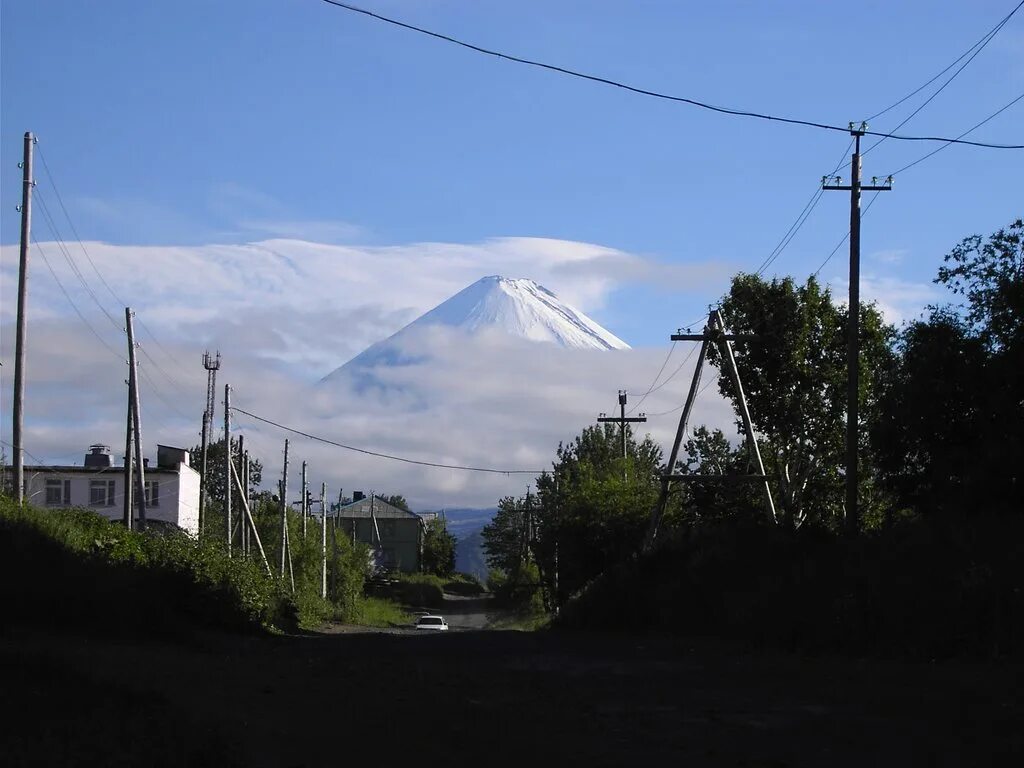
(522, 308)
(519, 307)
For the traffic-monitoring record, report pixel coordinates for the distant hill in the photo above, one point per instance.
(469, 554)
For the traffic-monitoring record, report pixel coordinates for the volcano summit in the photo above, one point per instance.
(519, 307)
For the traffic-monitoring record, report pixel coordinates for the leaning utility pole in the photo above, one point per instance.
(228, 465)
(133, 384)
(284, 509)
(212, 365)
(714, 333)
(622, 420)
(853, 321)
(19, 344)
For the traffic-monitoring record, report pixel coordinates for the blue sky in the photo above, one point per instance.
(379, 171)
(198, 122)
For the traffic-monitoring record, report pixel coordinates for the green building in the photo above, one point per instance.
(395, 536)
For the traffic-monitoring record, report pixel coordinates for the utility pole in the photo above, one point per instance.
(133, 384)
(246, 501)
(228, 466)
(323, 540)
(853, 321)
(714, 333)
(212, 365)
(622, 419)
(129, 512)
(305, 500)
(241, 497)
(284, 509)
(19, 344)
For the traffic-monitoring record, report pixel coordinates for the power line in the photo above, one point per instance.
(387, 455)
(62, 247)
(671, 349)
(799, 222)
(911, 165)
(645, 91)
(103, 280)
(845, 237)
(984, 39)
(71, 301)
(969, 130)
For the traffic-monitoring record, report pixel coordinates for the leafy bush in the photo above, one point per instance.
(101, 572)
(420, 589)
(464, 584)
(922, 589)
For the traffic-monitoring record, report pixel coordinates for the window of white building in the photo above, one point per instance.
(58, 492)
(101, 493)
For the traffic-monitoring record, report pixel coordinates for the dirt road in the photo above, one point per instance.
(490, 697)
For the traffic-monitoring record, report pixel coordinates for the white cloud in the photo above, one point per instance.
(898, 300)
(285, 312)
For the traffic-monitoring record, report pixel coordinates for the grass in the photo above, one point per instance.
(379, 612)
(523, 622)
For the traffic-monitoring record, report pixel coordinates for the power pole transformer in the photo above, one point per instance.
(853, 322)
(622, 420)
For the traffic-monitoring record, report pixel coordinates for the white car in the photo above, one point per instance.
(433, 622)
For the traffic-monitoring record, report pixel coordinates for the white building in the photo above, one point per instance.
(172, 487)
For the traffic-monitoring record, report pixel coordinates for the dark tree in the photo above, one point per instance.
(438, 548)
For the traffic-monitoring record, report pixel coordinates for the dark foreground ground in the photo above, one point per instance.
(489, 698)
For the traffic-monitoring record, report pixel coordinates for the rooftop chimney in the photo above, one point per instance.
(98, 456)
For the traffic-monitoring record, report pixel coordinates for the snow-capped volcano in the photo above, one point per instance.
(519, 307)
(522, 308)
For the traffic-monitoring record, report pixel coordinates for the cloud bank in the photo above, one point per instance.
(285, 312)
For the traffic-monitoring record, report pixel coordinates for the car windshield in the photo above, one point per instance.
(433, 620)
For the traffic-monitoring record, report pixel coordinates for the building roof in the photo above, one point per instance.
(381, 510)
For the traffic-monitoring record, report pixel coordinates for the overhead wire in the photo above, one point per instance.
(381, 455)
(979, 48)
(644, 91)
(969, 130)
(99, 274)
(984, 38)
(799, 222)
(71, 301)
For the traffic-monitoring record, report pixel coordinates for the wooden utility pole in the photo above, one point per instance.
(622, 420)
(248, 516)
(714, 333)
(246, 501)
(284, 510)
(323, 540)
(853, 322)
(133, 384)
(128, 511)
(241, 497)
(212, 365)
(228, 465)
(19, 342)
(305, 500)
